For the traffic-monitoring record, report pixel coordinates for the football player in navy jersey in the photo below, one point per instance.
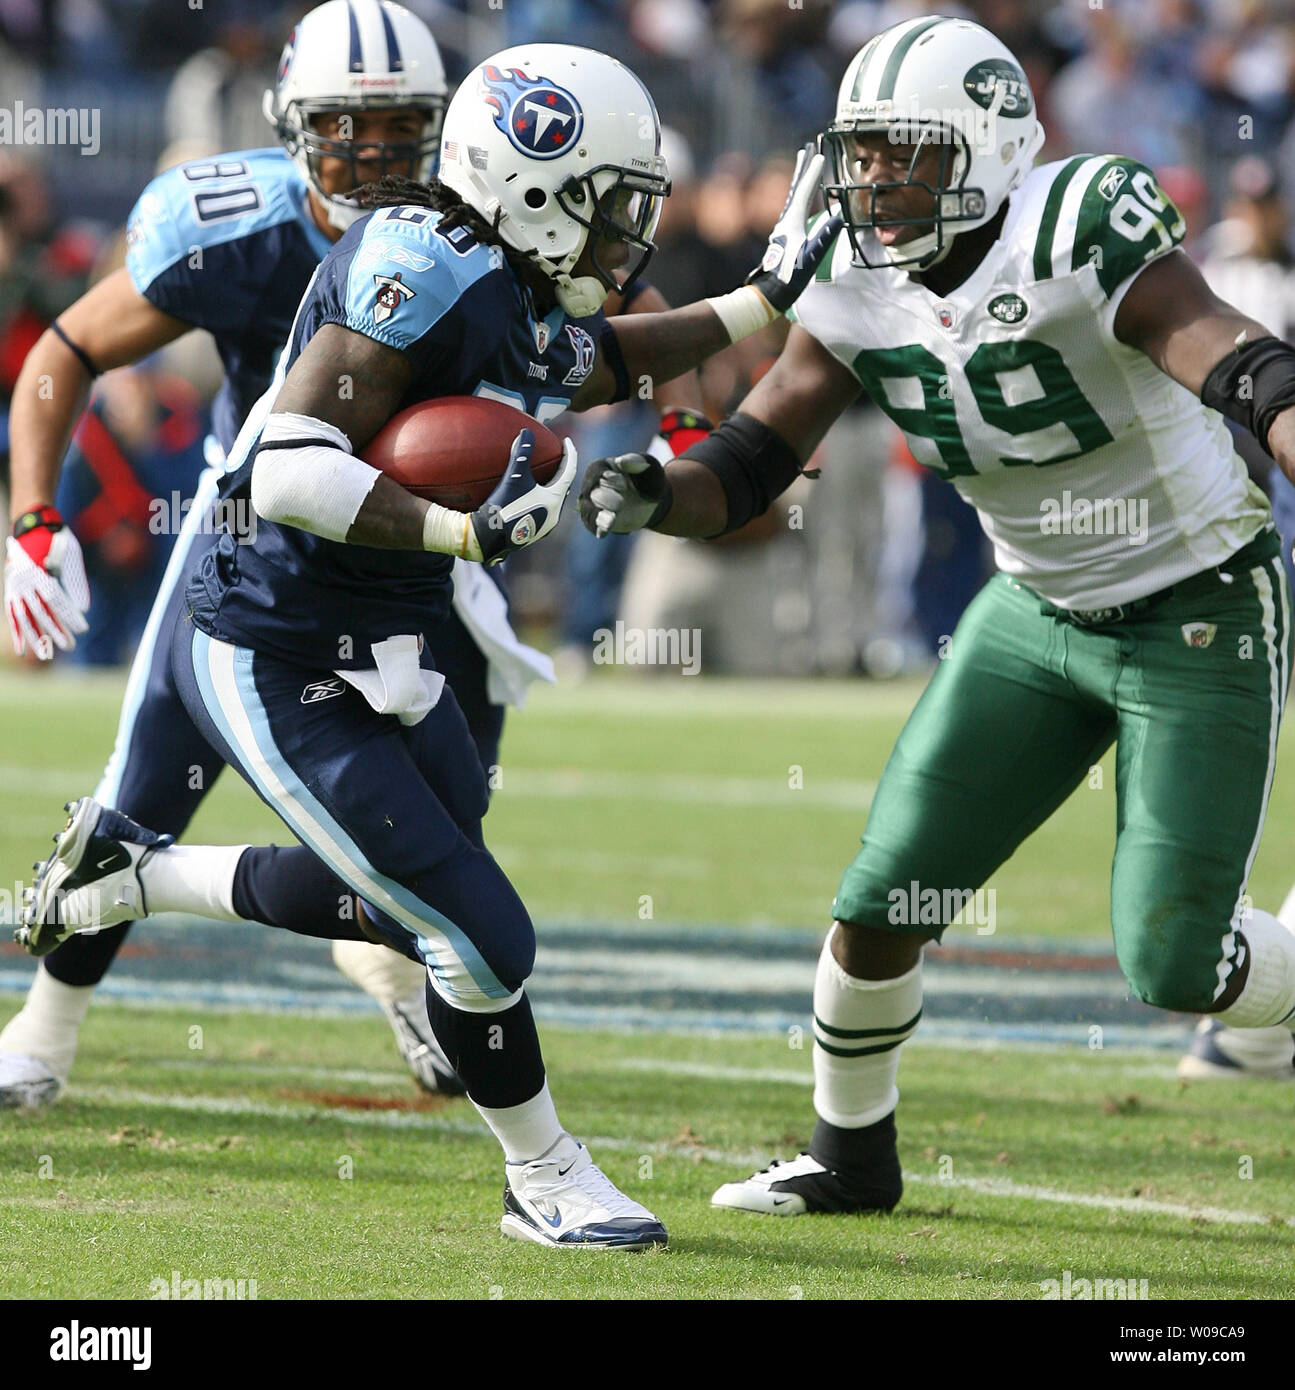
(301, 653)
(227, 244)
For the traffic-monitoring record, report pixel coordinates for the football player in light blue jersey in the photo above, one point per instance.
(227, 244)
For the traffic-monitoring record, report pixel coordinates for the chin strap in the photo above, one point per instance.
(582, 296)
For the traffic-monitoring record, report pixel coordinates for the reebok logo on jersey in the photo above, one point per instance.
(1111, 182)
(392, 293)
(1199, 634)
(322, 690)
(402, 255)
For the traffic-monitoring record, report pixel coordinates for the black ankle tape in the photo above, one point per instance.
(853, 1152)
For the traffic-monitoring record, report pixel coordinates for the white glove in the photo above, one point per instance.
(46, 592)
(520, 511)
(791, 257)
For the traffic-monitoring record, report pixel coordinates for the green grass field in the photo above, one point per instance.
(1021, 1162)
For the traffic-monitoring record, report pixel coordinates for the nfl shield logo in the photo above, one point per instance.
(541, 337)
(945, 315)
(1199, 634)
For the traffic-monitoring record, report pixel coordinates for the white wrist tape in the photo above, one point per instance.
(318, 485)
(743, 312)
(448, 532)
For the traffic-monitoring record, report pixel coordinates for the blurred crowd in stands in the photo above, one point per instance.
(861, 570)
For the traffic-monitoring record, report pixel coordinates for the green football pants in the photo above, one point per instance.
(1190, 686)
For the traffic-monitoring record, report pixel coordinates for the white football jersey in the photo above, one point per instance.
(1098, 479)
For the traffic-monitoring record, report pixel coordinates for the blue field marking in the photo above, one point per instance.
(661, 978)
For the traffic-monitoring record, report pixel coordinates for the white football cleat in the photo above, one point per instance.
(92, 878)
(1220, 1053)
(563, 1199)
(26, 1081)
(419, 1048)
(804, 1185)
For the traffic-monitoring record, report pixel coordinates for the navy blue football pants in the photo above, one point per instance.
(161, 766)
(393, 811)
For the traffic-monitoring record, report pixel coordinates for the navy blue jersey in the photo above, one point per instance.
(456, 309)
(228, 244)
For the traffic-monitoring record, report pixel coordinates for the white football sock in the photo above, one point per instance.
(527, 1130)
(47, 1025)
(854, 1082)
(383, 974)
(1268, 996)
(192, 878)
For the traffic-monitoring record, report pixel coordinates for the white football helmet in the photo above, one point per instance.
(932, 81)
(557, 146)
(357, 55)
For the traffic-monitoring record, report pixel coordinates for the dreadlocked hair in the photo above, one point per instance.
(394, 190)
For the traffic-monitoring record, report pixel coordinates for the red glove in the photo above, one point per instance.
(679, 431)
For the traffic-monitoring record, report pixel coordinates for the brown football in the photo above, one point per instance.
(454, 449)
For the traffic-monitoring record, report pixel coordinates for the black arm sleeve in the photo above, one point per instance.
(754, 463)
(1253, 385)
(615, 359)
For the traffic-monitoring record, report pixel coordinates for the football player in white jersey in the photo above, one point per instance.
(1043, 344)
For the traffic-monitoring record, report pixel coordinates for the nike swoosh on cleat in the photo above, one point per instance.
(117, 858)
(555, 1220)
(781, 1201)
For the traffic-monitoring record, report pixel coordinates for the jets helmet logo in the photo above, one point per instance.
(540, 118)
(999, 86)
(392, 292)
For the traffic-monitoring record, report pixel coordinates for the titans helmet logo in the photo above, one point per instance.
(540, 118)
(285, 59)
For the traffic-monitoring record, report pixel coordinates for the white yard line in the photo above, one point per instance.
(467, 1124)
(1139, 1206)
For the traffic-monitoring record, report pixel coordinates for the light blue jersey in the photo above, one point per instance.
(228, 244)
